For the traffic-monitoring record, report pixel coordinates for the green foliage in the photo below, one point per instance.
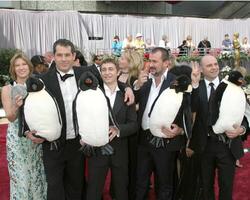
(188, 59)
(5, 57)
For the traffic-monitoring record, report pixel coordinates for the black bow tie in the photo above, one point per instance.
(65, 76)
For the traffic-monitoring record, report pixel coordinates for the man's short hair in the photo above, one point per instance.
(164, 53)
(64, 43)
(110, 60)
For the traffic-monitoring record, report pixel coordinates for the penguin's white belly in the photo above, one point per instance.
(165, 111)
(232, 109)
(41, 114)
(93, 117)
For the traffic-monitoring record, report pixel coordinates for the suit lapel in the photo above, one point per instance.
(145, 92)
(117, 104)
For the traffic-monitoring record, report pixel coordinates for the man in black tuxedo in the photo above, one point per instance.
(212, 152)
(64, 167)
(125, 117)
(161, 159)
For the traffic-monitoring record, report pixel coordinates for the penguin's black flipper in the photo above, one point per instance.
(22, 125)
(214, 103)
(107, 150)
(88, 150)
(75, 120)
(187, 115)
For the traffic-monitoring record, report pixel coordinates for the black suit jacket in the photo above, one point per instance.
(142, 98)
(200, 105)
(126, 118)
(52, 84)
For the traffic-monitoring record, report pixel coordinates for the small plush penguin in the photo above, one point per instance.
(40, 111)
(173, 104)
(91, 115)
(228, 104)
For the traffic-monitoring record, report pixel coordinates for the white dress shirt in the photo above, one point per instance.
(111, 95)
(154, 91)
(216, 82)
(69, 90)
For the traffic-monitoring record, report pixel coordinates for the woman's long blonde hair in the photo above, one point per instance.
(135, 62)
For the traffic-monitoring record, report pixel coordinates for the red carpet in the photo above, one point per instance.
(241, 185)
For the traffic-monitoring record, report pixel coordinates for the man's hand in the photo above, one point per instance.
(196, 74)
(31, 135)
(129, 96)
(238, 130)
(189, 152)
(171, 132)
(142, 78)
(113, 132)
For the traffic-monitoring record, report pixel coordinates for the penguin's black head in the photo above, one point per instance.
(181, 83)
(236, 77)
(183, 78)
(88, 81)
(34, 84)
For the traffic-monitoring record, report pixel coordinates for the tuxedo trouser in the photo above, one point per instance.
(162, 163)
(98, 167)
(217, 155)
(64, 170)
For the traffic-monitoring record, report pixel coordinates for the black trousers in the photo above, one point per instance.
(98, 167)
(162, 163)
(64, 171)
(217, 155)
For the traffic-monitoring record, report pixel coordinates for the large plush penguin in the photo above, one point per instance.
(228, 105)
(92, 114)
(172, 104)
(40, 111)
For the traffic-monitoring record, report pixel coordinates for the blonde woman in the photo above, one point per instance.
(130, 63)
(27, 177)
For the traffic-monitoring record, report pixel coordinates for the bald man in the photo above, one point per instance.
(213, 154)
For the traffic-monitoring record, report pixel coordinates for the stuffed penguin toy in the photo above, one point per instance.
(228, 104)
(91, 115)
(40, 111)
(172, 103)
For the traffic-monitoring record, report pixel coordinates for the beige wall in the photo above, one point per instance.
(127, 7)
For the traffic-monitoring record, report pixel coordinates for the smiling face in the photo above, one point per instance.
(210, 67)
(157, 66)
(64, 58)
(21, 69)
(109, 73)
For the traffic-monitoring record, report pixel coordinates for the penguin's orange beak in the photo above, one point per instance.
(241, 81)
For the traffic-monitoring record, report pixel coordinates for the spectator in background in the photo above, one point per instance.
(183, 48)
(40, 66)
(116, 46)
(49, 58)
(164, 42)
(190, 45)
(204, 46)
(79, 59)
(139, 43)
(227, 43)
(149, 45)
(128, 43)
(245, 45)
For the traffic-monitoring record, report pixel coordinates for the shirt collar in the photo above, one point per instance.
(216, 82)
(71, 71)
(107, 89)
